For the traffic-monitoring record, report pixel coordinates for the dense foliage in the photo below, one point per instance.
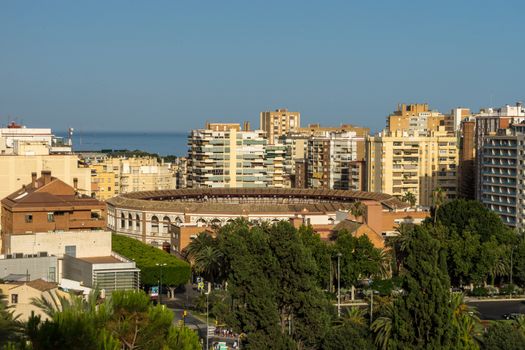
(126, 320)
(176, 271)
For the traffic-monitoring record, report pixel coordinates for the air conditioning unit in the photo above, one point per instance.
(9, 256)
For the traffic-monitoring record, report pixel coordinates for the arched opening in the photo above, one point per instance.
(130, 221)
(331, 221)
(166, 247)
(216, 223)
(137, 222)
(201, 222)
(166, 224)
(122, 220)
(178, 220)
(154, 225)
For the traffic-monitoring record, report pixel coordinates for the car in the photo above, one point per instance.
(511, 316)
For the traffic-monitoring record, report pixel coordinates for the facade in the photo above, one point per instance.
(19, 297)
(114, 175)
(415, 117)
(16, 139)
(489, 121)
(274, 162)
(108, 273)
(333, 161)
(412, 161)
(467, 156)
(15, 171)
(48, 204)
(169, 219)
(224, 156)
(279, 122)
(502, 175)
(28, 267)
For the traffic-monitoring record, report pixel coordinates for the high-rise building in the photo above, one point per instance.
(279, 122)
(223, 155)
(467, 154)
(502, 174)
(415, 117)
(333, 161)
(489, 121)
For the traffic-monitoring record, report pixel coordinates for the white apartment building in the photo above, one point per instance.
(223, 155)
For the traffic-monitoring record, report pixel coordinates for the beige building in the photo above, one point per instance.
(19, 297)
(413, 161)
(279, 122)
(114, 175)
(15, 171)
(416, 117)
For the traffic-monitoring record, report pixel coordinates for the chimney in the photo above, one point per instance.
(75, 183)
(33, 179)
(46, 175)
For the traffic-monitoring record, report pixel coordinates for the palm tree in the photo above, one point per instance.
(438, 197)
(410, 198)
(10, 327)
(399, 243)
(465, 320)
(208, 262)
(499, 268)
(198, 244)
(358, 209)
(382, 327)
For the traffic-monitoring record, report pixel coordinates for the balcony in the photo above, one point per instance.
(94, 223)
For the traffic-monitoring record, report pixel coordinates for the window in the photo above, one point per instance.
(71, 250)
(29, 218)
(130, 221)
(14, 298)
(52, 274)
(50, 217)
(154, 225)
(137, 221)
(122, 220)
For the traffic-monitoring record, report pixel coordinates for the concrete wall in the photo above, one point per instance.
(88, 243)
(36, 268)
(78, 270)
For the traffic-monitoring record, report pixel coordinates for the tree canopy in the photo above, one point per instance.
(176, 271)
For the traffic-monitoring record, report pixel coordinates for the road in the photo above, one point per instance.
(495, 309)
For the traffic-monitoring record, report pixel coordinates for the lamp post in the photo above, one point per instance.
(339, 284)
(207, 326)
(160, 282)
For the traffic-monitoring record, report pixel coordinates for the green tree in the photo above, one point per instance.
(125, 320)
(503, 336)
(176, 272)
(422, 317)
(409, 198)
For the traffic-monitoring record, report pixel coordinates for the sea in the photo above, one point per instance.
(161, 143)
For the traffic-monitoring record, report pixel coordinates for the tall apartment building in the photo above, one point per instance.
(415, 117)
(114, 175)
(489, 121)
(223, 155)
(279, 122)
(274, 162)
(502, 174)
(333, 161)
(299, 142)
(467, 154)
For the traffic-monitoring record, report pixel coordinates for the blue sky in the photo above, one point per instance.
(172, 65)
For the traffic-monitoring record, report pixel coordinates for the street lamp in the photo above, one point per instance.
(339, 255)
(160, 282)
(207, 325)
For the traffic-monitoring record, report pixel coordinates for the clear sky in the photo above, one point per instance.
(172, 65)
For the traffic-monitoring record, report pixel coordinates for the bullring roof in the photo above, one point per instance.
(246, 200)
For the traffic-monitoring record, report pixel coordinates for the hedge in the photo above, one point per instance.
(176, 271)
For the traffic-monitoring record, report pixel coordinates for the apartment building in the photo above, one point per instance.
(274, 162)
(224, 155)
(489, 121)
(113, 175)
(413, 161)
(279, 122)
(415, 117)
(333, 161)
(502, 174)
(16, 139)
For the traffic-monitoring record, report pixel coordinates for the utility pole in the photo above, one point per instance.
(511, 289)
(339, 284)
